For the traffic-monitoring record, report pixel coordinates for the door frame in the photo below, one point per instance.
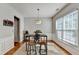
(18, 20)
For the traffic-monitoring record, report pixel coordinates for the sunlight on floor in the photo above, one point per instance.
(52, 50)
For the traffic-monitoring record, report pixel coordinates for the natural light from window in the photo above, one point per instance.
(67, 28)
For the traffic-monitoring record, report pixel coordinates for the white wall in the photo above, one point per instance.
(45, 27)
(71, 7)
(7, 33)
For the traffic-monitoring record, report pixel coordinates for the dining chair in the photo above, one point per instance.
(43, 46)
(31, 47)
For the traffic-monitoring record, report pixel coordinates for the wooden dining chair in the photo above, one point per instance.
(43, 43)
(31, 47)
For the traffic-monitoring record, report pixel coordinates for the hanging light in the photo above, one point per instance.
(38, 21)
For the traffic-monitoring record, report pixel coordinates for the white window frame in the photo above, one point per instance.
(76, 42)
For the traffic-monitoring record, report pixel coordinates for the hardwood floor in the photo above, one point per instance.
(61, 48)
(13, 50)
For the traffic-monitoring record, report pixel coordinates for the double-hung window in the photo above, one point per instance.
(59, 28)
(67, 28)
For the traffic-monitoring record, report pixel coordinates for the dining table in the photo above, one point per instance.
(30, 37)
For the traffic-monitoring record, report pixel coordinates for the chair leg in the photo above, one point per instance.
(40, 50)
(27, 50)
(46, 49)
(45, 46)
(26, 46)
(30, 50)
(35, 50)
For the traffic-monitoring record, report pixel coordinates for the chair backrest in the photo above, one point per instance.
(37, 36)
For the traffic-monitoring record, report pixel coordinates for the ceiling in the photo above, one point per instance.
(30, 9)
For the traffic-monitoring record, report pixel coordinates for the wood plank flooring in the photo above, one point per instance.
(10, 52)
(61, 48)
(13, 50)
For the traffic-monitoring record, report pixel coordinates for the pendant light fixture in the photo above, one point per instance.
(38, 21)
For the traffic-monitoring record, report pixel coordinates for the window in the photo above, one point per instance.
(59, 28)
(67, 28)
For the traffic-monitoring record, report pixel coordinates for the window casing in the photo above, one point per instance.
(67, 28)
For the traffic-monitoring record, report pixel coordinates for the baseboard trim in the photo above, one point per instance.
(61, 47)
(14, 49)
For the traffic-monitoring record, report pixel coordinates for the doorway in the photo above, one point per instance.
(16, 31)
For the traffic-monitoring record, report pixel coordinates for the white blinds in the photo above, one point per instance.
(67, 28)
